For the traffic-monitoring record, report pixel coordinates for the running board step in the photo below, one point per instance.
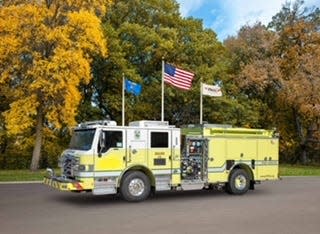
(192, 185)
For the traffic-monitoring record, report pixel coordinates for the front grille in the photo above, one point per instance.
(69, 164)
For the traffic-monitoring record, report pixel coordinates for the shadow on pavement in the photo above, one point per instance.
(87, 199)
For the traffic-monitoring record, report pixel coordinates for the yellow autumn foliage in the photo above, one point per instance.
(45, 54)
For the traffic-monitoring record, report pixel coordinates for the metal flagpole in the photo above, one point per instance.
(200, 102)
(123, 96)
(162, 91)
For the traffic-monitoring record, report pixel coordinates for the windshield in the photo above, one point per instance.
(82, 139)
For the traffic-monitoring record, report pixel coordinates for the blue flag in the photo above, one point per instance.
(132, 87)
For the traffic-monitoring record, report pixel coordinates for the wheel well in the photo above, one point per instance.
(244, 167)
(140, 168)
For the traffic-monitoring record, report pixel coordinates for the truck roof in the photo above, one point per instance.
(148, 124)
(216, 130)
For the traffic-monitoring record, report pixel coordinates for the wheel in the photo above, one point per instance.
(239, 182)
(135, 186)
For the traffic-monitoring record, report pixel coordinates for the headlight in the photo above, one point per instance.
(76, 161)
(60, 162)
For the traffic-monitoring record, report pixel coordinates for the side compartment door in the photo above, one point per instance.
(268, 159)
(136, 147)
(217, 160)
(176, 157)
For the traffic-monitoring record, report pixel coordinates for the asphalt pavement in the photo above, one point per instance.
(291, 205)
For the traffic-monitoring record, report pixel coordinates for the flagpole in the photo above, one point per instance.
(201, 102)
(162, 91)
(123, 96)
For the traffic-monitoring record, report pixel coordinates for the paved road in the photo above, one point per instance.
(291, 206)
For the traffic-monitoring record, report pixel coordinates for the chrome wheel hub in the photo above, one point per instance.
(240, 182)
(136, 187)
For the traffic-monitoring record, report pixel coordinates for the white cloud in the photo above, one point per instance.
(312, 3)
(249, 12)
(233, 14)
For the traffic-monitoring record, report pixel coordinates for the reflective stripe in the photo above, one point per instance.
(220, 169)
(162, 172)
(246, 162)
(117, 173)
(217, 169)
(267, 163)
(98, 174)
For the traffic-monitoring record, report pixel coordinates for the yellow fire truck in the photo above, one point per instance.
(150, 156)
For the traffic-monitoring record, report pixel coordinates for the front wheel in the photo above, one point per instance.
(239, 182)
(135, 186)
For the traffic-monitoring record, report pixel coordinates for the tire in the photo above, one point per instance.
(239, 182)
(135, 186)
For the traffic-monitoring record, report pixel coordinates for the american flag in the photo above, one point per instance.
(177, 77)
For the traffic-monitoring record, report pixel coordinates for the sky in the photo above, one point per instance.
(226, 17)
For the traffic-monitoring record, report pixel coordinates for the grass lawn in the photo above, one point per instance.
(27, 175)
(299, 170)
(21, 175)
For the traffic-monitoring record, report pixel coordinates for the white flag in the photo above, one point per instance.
(211, 90)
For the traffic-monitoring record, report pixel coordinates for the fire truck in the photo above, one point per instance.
(151, 156)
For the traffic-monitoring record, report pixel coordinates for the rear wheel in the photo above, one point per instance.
(239, 182)
(135, 186)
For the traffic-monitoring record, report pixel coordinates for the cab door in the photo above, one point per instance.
(110, 159)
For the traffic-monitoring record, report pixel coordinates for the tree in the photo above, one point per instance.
(46, 49)
(4, 105)
(280, 67)
(290, 13)
(251, 70)
(140, 34)
(297, 52)
(298, 60)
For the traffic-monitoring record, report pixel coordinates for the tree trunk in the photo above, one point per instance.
(37, 146)
(3, 151)
(302, 138)
(304, 156)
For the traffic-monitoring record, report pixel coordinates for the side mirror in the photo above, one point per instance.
(102, 142)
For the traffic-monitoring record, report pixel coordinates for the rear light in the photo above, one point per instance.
(78, 186)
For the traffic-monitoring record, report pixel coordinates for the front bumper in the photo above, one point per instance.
(63, 184)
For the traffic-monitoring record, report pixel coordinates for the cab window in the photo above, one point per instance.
(113, 139)
(159, 139)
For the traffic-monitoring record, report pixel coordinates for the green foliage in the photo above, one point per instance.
(12, 160)
(140, 34)
(17, 152)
